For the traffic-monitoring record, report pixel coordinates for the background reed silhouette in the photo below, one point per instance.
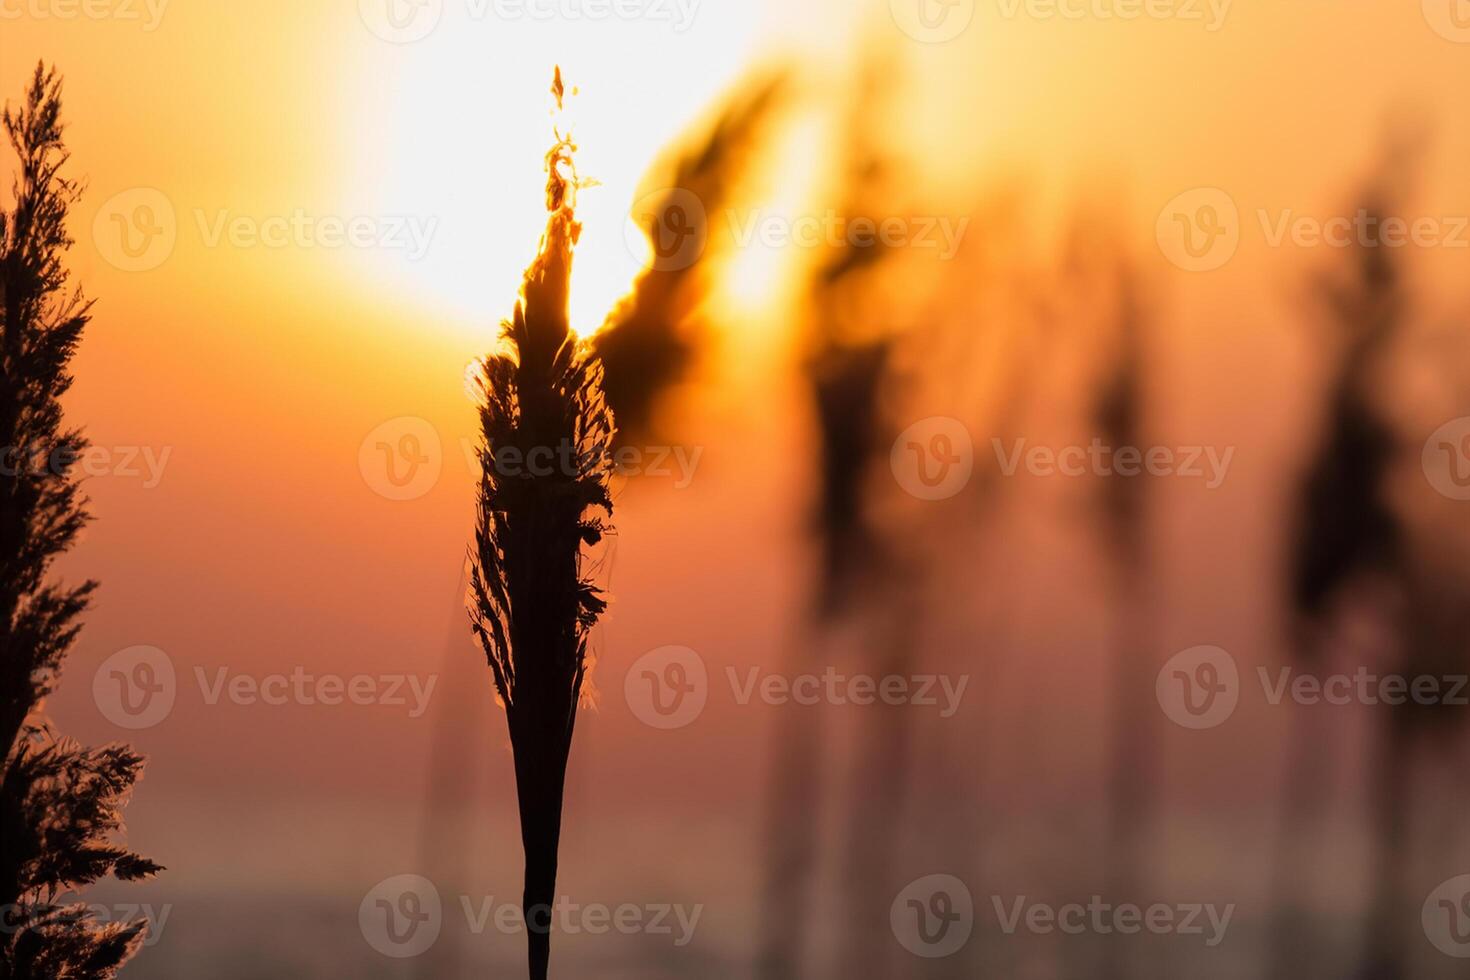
(848, 368)
(1348, 536)
(60, 802)
(1120, 416)
(650, 340)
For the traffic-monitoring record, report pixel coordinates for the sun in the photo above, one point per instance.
(453, 129)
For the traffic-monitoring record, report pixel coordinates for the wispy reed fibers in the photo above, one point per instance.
(532, 603)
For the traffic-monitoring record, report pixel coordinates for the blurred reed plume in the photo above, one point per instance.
(1348, 544)
(532, 602)
(846, 379)
(649, 341)
(60, 803)
(848, 369)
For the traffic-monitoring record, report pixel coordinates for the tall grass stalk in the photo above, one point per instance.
(1134, 776)
(532, 603)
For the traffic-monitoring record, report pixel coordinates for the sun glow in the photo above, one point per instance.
(455, 127)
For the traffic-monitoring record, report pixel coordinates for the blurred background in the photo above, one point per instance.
(882, 291)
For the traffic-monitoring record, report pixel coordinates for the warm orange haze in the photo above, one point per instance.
(1033, 543)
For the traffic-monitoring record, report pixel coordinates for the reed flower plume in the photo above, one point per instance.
(547, 433)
